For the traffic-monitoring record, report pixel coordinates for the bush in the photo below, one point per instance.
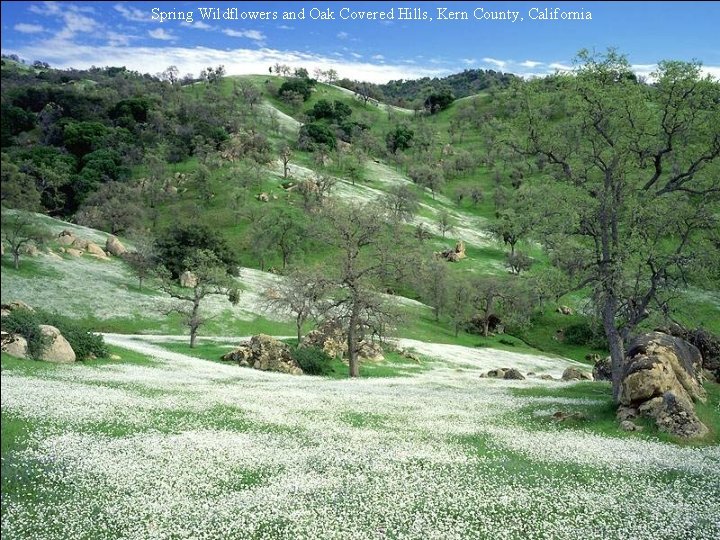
(313, 361)
(583, 334)
(83, 341)
(27, 324)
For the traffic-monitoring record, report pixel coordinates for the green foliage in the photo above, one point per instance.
(27, 324)
(335, 112)
(583, 333)
(81, 138)
(302, 86)
(314, 134)
(437, 102)
(399, 138)
(13, 121)
(313, 361)
(179, 242)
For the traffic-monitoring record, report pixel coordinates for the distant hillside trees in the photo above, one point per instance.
(180, 241)
(437, 102)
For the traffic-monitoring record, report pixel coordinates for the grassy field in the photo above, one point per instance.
(163, 445)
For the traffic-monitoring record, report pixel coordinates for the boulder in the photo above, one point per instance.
(498, 373)
(602, 370)
(58, 349)
(74, 252)
(263, 197)
(114, 247)
(328, 336)
(708, 345)
(80, 243)
(513, 374)
(629, 425)
(96, 251)
(565, 310)
(14, 345)
(455, 254)
(661, 378)
(188, 280)
(264, 353)
(31, 250)
(16, 304)
(563, 416)
(66, 238)
(546, 377)
(574, 374)
(370, 351)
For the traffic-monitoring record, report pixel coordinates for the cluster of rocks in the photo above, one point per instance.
(708, 345)
(565, 310)
(76, 246)
(57, 349)
(266, 354)
(455, 254)
(331, 338)
(661, 379)
(570, 374)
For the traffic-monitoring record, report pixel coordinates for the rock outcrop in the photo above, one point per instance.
(513, 374)
(708, 345)
(660, 380)
(565, 310)
(328, 336)
(266, 354)
(114, 247)
(574, 374)
(455, 254)
(370, 351)
(58, 350)
(14, 345)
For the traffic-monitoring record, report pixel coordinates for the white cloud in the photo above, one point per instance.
(45, 8)
(343, 35)
(132, 13)
(285, 27)
(378, 57)
(25, 28)
(469, 61)
(198, 25)
(236, 61)
(161, 34)
(494, 61)
(356, 55)
(531, 64)
(116, 39)
(559, 66)
(254, 35)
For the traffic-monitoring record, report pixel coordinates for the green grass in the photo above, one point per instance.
(600, 417)
(29, 268)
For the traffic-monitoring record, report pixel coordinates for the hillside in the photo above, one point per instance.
(336, 317)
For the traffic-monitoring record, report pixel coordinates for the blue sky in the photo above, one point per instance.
(81, 34)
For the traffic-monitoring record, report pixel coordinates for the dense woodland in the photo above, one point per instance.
(597, 184)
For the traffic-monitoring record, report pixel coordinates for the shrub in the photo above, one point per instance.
(83, 341)
(27, 324)
(313, 361)
(583, 334)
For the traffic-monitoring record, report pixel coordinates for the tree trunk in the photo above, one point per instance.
(194, 322)
(616, 345)
(16, 260)
(353, 364)
(486, 326)
(298, 323)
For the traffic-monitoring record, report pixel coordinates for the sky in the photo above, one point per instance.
(504, 36)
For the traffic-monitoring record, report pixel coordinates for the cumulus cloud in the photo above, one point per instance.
(531, 64)
(378, 57)
(343, 35)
